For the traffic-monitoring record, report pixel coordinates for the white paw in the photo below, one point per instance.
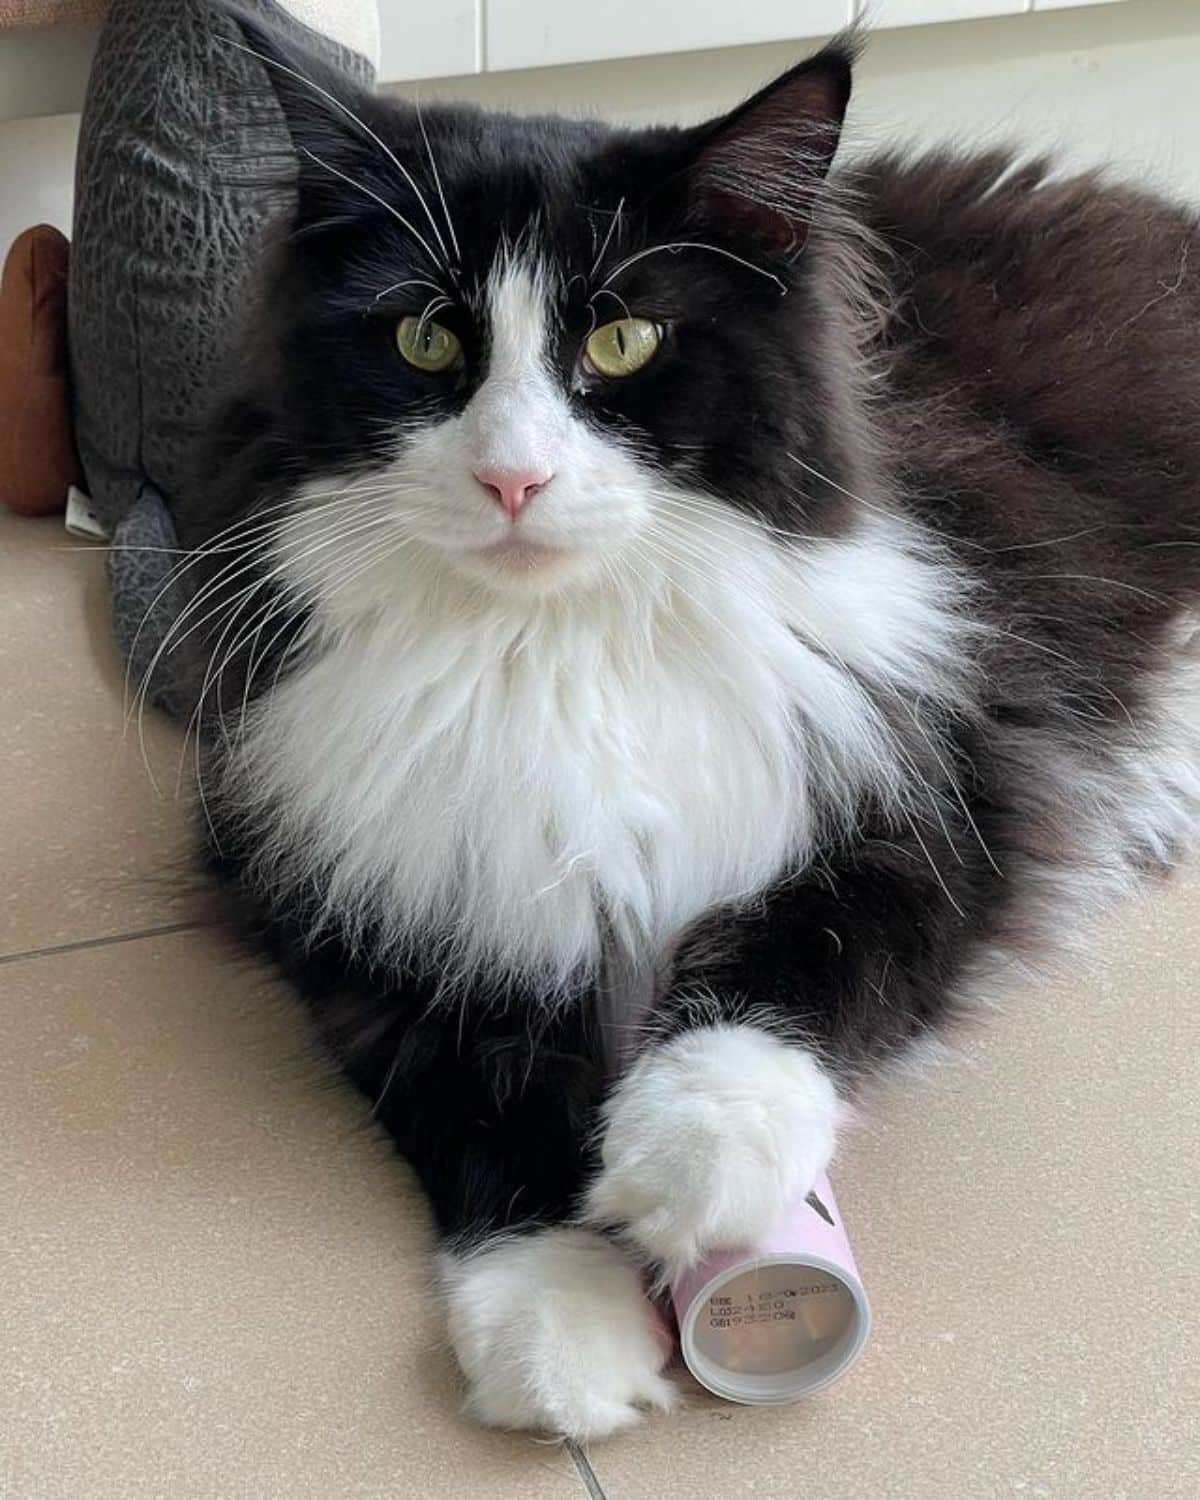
(709, 1139)
(554, 1332)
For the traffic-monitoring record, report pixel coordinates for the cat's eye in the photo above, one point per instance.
(427, 345)
(622, 348)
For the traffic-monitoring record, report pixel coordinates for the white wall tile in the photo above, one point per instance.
(535, 33)
(921, 12)
(428, 38)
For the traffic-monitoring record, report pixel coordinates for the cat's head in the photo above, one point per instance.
(537, 350)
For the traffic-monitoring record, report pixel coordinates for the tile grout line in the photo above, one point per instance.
(586, 1472)
(103, 942)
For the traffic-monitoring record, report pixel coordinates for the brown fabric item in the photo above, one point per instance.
(50, 12)
(37, 447)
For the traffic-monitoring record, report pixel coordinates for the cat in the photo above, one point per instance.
(676, 624)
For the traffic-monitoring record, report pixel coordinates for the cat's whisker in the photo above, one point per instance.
(214, 673)
(286, 558)
(841, 489)
(952, 781)
(231, 538)
(236, 537)
(293, 601)
(300, 639)
(399, 286)
(604, 291)
(614, 225)
(173, 638)
(361, 124)
(1051, 541)
(135, 709)
(292, 620)
(679, 245)
(390, 208)
(432, 307)
(1090, 677)
(696, 603)
(699, 514)
(1116, 583)
(437, 182)
(123, 547)
(931, 862)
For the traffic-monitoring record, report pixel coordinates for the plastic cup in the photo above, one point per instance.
(779, 1320)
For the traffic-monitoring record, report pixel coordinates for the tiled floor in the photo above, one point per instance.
(213, 1276)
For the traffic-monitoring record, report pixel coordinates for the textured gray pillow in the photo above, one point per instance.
(180, 131)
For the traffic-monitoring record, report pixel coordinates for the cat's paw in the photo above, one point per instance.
(554, 1333)
(709, 1139)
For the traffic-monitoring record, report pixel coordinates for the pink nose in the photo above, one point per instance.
(512, 489)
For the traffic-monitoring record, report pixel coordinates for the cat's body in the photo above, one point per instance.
(622, 766)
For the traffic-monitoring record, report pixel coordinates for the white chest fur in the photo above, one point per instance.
(517, 781)
(521, 781)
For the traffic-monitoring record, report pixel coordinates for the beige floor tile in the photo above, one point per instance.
(1028, 1228)
(87, 844)
(214, 1281)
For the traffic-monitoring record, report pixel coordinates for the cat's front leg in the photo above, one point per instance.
(495, 1110)
(731, 1111)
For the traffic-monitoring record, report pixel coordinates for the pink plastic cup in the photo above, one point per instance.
(778, 1320)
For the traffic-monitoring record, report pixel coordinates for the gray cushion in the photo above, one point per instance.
(180, 132)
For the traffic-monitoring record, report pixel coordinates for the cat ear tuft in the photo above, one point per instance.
(760, 168)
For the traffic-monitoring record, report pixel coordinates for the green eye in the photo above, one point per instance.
(427, 345)
(622, 348)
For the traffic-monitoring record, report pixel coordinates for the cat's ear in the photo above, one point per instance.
(759, 169)
(326, 112)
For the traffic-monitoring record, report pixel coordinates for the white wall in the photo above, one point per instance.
(1114, 83)
(1104, 83)
(37, 164)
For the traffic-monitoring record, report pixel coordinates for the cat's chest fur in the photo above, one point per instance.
(519, 785)
(526, 784)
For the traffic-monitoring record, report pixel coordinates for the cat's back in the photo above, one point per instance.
(1042, 341)
(1023, 275)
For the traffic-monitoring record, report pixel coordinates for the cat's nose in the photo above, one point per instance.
(512, 489)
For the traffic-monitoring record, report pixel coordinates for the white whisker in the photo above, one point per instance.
(679, 245)
(437, 182)
(361, 187)
(613, 225)
(367, 131)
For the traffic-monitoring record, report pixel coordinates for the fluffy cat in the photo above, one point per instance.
(672, 623)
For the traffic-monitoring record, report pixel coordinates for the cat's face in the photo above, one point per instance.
(510, 467)
(541, 351)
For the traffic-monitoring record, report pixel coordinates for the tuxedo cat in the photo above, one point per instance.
(674, 625)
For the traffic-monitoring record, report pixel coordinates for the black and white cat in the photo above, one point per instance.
(674, 624)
